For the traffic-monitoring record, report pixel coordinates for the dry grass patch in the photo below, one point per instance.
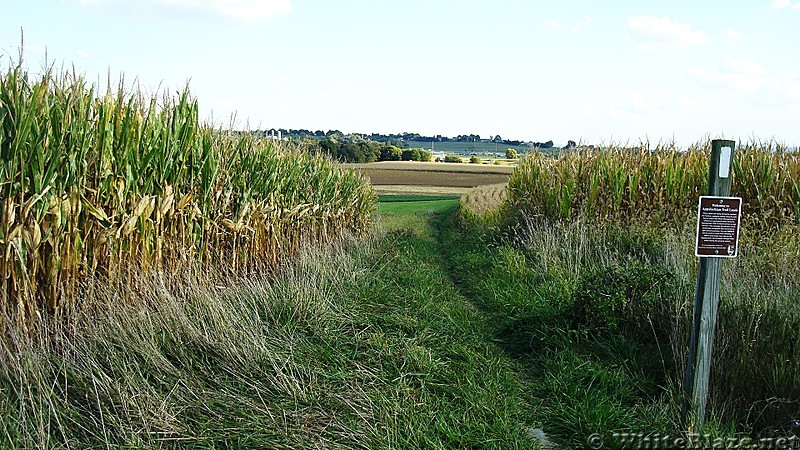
(433, 167)
(428, 178)
(484, 199)
(401, 189)
(398, 173)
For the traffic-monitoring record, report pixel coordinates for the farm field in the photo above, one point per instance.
(429, 174)
(412, 204)
(406, 189)
(369, 344)
(433, 167)
(168, 285)
(595, 286)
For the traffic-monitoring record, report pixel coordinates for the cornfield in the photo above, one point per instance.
(662, 184)
(99, 185)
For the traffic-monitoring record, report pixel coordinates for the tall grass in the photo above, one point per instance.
(99, 184)
(639, 284)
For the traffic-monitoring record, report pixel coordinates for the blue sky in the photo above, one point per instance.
(588, 71)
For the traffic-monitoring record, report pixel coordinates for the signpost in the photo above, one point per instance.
(717, 237)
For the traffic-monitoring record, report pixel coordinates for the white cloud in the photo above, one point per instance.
(84, 54)
(552, 25)
(651, 31)
(737, 65)
(649, 100)
(657, 102)
(784, 4)
(691, 105)
(745, 76)
(584, 23)
(733, 35)
(243, 10)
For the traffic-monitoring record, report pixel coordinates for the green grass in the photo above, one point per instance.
(390, 198)
(601, 314)
(398, 205)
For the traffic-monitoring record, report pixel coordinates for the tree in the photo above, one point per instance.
(452, 159)
(391, 153)
(511, 153)
(474, 159)
(410, 154)
(425, 155)
(571, 144)
(415, 154)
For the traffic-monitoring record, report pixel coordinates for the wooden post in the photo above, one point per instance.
(706, 299)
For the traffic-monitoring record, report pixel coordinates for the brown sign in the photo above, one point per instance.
(718, 227)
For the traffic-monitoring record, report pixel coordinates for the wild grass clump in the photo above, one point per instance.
(91, 182)
(200, 360)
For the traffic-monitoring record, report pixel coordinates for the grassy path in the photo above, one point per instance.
(481, 392)
(570, 384)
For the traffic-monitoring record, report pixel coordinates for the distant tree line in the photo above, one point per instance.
(354, 147)
(361, 147)
(397, 139)
(364, 151)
